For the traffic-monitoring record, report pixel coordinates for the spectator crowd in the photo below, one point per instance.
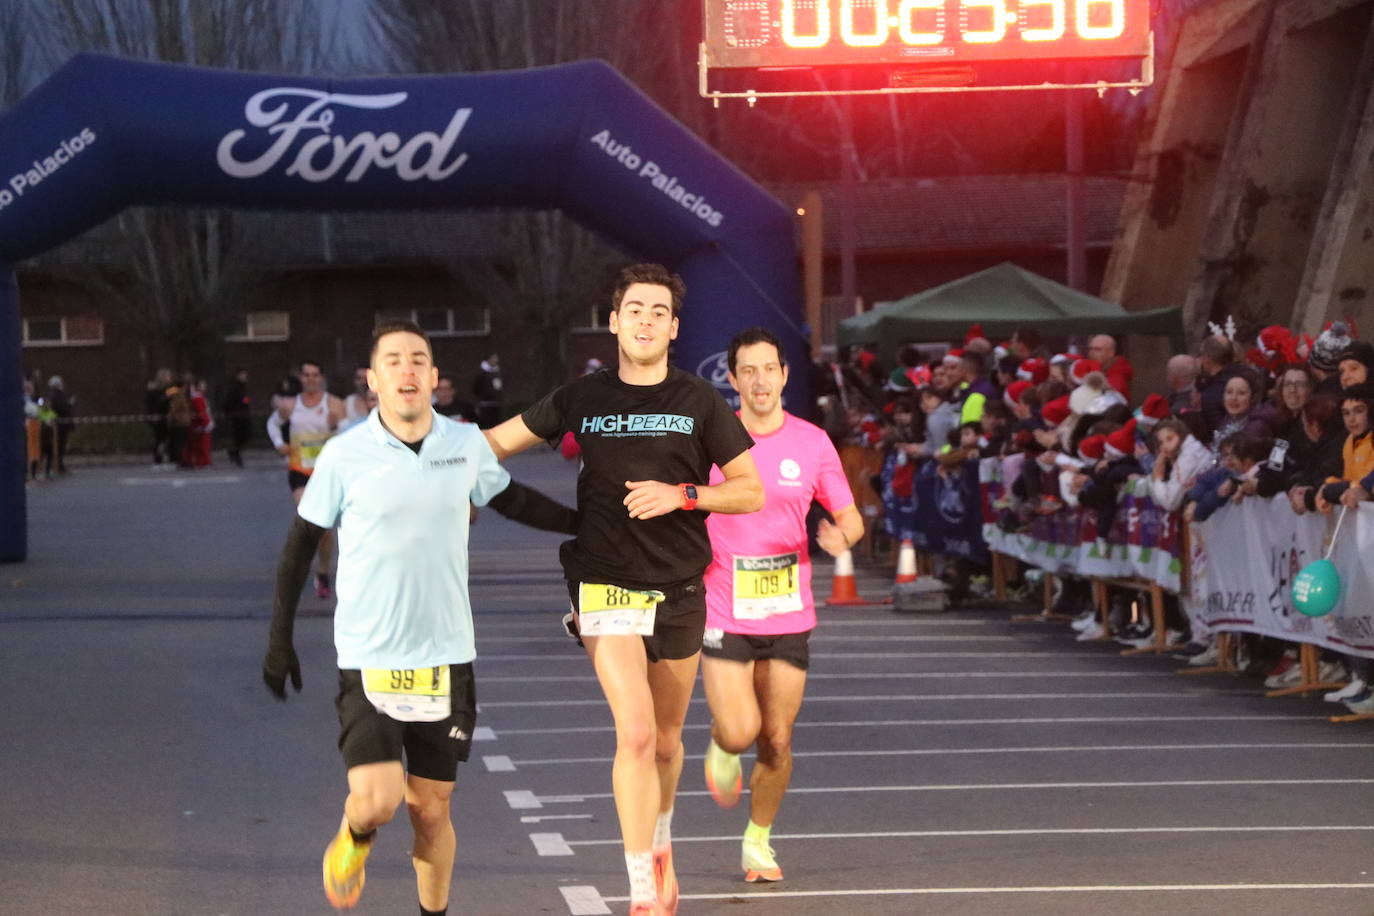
(1281, 416)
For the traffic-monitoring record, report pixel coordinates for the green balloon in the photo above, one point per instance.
(1317, 588)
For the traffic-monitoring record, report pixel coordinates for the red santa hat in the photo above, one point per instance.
(919, 375)
(1122, 442)
(1275, 348)
(1092, 448)
(953, 357)
(1056, 411)
(1155, 408)
(973, 332)
(1002, 349)
(1059, 359)
(1033, 370)
(1081, 367)
(1014, 392)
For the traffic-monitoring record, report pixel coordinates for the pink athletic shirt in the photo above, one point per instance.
(759, 580)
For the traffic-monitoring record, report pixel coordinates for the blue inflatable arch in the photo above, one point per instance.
(105, 133)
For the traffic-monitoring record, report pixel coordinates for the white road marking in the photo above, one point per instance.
(498, 763)
(1045, 831)
(961, 751)
(540, 818)
(865, 676)
(1031, 889)
(550, 844)
(539, 620)
(179, 481)
(866, 637)
(483, 733)
(930, 697)
(576, 654)
(873, 723)
(584, 900)
(522, 799)
(1015, 787)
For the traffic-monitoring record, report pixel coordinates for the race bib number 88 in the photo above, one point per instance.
(767, 585)
(609, 610)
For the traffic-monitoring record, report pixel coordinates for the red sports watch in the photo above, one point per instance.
(689, 496)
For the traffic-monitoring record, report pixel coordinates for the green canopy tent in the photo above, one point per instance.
(1001, 299)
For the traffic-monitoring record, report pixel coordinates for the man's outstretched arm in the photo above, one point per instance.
(510, 437)
(522, 504)
(292, 570)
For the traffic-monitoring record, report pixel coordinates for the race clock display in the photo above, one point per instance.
(761, 34)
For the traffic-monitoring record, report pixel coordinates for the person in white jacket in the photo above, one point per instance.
(1179, 459)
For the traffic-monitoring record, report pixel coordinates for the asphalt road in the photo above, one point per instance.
(951, 764)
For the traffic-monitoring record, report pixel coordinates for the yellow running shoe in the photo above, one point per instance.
(723, 776)
(343, 869)
(758, 862)
(665, 880)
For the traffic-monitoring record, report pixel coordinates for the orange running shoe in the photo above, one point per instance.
(665, 880)
(724, 776)
(343, 869)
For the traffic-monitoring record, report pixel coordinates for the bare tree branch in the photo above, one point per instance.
(181, 276)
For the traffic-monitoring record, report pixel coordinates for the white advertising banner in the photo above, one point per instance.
(1246, 556)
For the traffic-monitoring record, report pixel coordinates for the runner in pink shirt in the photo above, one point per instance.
(759, 609)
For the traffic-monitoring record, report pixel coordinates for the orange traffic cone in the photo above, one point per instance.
(843, 591)
(906, 562)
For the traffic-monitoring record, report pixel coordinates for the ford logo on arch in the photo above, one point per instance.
(715, 370)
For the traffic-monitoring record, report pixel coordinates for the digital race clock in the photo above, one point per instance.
(759, 34)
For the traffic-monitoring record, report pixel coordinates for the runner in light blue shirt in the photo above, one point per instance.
(400, 487)
(403, 539)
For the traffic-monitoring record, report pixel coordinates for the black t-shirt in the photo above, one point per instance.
(670, 432)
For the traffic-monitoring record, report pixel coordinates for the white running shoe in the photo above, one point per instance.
(1206, 658)
(1361, 705)
(1288, 677)
(1090, 632)
(1172, 638)
(1331, 671)
(1084, 620)
(1353, 689)
(758, 862)
(724, 775)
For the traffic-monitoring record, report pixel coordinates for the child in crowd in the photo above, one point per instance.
(1357, 402)
(1240, 456)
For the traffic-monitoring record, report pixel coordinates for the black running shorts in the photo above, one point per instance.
(431, 749)
(296, 480)
(678, 622)
(792, 648)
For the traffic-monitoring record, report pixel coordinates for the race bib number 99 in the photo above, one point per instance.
(409, 694)
(767, 585)
(609, 610)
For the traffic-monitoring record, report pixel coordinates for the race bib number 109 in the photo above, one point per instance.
(767, 585)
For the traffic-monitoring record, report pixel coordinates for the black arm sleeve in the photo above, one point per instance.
(519, 503)
(292, 569)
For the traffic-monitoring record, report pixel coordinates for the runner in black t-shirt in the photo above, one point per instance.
(649, 435)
